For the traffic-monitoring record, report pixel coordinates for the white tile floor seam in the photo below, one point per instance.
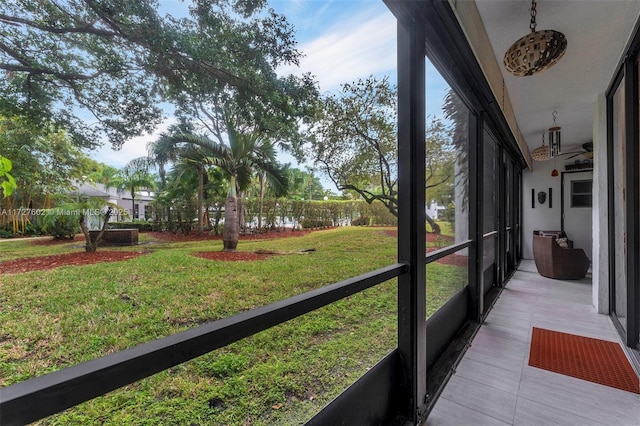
(494, 384)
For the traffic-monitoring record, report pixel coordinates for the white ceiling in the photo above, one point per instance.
(597, 32)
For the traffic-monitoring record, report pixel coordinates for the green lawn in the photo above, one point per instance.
(52, 319)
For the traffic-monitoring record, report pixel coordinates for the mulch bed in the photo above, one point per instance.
(84, 258)
(27, 264)
(225, 256)
(52, 241)
(193, 236)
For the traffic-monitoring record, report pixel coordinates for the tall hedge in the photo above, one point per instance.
(315, 214)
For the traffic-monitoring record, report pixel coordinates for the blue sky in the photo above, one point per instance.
(342, 40)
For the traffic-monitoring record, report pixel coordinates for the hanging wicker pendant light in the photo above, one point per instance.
(536, 51)
(541, 153)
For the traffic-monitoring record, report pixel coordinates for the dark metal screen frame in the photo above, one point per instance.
(627, 74)
(412, 298)
(36, 398)
(632, 123)
(404, 368)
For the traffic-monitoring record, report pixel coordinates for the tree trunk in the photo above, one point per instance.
(133, 204)
(91, 246)
(435, 228)
(242, 209)
(200, 197)
(217, 219)
(261, 209)
(231, 230)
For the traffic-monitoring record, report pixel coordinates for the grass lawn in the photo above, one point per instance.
(56, 318)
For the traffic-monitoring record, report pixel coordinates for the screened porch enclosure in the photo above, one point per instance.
(492, 220)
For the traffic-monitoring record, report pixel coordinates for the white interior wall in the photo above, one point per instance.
(600, 258)
(541, 217)
(544, 218)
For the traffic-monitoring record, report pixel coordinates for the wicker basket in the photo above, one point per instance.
(535, 52)
(541, 153)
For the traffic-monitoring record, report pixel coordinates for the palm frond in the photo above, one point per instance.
(277, 178)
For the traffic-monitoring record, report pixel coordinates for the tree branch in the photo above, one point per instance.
(62, 76)
(389, 200)
(88, 28)
(433, 185)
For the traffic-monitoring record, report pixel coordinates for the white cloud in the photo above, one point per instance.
(133, 148)
(352, 48)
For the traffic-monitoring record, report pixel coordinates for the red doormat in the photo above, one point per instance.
(585, 358)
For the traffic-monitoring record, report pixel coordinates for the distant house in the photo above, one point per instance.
(433, 209)
(127, 210)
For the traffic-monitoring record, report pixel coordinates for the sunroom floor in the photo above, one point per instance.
(494, 385)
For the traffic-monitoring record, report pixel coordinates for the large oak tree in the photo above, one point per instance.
(354, 142)
(99, 67)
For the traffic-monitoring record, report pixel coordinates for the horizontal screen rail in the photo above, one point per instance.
(42, 396)
(491, 234)
(446, 251)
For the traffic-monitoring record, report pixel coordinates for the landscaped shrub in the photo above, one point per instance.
(311, 214)
(32, 229)
(6, 233)
(360, 221)
(29, 229)
(378, 213)
(60, 226)
(315, 223)
(140, 225)
(296, 212)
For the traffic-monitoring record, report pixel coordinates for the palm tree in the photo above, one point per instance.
(135, 176)
(194, 156)
(106, 176)
(163, 151)
(179, 195)
(246, 154)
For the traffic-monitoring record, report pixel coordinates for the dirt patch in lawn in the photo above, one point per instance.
(26, 264)
(225, 256)
(431, 237)
(452, 259)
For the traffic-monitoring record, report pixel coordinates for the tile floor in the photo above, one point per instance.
(494, 385)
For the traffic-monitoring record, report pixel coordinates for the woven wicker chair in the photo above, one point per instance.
(557, 262)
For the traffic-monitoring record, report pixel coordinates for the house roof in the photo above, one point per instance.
(88, 190)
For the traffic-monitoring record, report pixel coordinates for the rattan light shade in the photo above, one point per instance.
(541, 153)
(535, 52)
